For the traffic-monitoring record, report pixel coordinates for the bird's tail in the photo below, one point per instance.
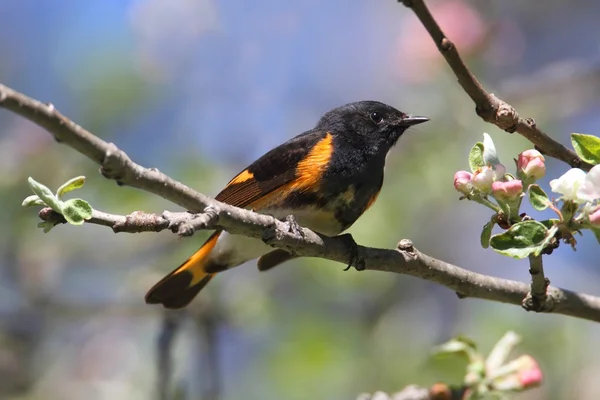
(179, 288)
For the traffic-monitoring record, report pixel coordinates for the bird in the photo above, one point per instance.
(326, 178)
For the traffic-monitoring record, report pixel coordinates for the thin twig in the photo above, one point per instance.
(537, 299)
(489, 107)
(405, 259)
(181, 223)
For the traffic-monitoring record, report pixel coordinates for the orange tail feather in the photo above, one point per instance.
(178, 288)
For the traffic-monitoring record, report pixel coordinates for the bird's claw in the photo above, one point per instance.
(293, 226)
(356, 260)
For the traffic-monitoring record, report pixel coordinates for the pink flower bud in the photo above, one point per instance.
(525, 374)
(483, 179)
(530, 374)
(508, 190)
(462, 181)
(595, 217)
(531, 164)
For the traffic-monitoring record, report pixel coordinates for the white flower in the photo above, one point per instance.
(483, 179)
(569, 184)
(590, 188)
(499, 172)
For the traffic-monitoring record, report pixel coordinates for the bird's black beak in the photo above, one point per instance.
(409, 120)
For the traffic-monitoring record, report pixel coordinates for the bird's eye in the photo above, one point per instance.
(376, 117)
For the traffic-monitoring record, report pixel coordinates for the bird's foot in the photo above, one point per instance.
(356, 260)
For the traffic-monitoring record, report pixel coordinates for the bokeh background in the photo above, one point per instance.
(199, 89)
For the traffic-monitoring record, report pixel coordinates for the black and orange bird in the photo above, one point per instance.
(326, 178)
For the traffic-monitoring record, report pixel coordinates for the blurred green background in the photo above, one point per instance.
(199, 89)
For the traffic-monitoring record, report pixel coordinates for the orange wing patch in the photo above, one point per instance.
(310, 170)
(245, 191)
(308, 175)
(242, 177)
(240, 190)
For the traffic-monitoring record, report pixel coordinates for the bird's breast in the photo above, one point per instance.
(332, 210)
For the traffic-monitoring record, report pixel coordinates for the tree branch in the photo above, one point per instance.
(537, 299)
(181, 223)
(406, 259)
(489, 107)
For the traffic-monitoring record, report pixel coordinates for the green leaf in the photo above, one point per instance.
(475, 374)
(468, 341)
(33, 200)
(459, 345)
(538, 198)
(70, 185)
(587, 147)
(486, 234)
(476, 157)
(501, 350)
(550, 223)
(490, 156)
(522, 239)
(45, 194)
(76, 211)
(549, 236)
(46, 226)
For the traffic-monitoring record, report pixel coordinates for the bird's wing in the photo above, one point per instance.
(296, 165)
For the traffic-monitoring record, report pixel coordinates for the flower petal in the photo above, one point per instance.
(568, 184)
(590, 188)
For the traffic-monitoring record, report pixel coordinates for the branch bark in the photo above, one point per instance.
(181, 223)
(406, 259)
(537, 299)
(489, 107)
